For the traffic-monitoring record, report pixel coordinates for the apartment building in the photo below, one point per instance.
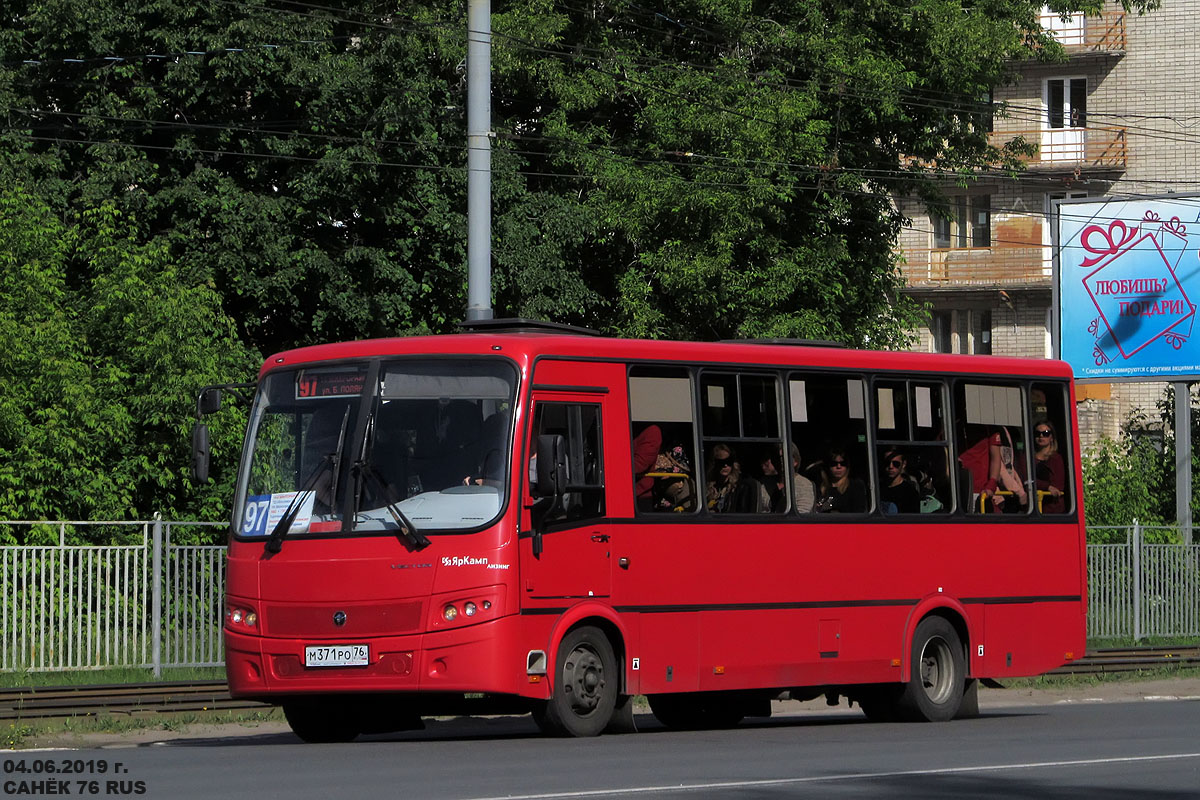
(1121, 117)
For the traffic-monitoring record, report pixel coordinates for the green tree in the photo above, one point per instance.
(1133, 477)
(201, 180)
(708, 169)
(45, 397)
(105, 348)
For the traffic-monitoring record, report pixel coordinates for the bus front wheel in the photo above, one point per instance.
(934, 690)
(317, 720)
(585, 686)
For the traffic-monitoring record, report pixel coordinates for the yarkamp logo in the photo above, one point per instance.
(469, 561)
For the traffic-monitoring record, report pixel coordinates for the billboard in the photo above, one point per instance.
(1127, 284)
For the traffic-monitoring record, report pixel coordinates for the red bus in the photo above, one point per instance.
(528, 517)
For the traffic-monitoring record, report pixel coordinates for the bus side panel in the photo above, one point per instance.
(1030, 638)
(668, 652)
(807, 647)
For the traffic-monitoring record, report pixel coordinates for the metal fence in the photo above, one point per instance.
(146, 603)
(1138, 589)
(151, 603)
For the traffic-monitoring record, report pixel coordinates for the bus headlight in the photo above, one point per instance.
(240, 616)
(469, 607)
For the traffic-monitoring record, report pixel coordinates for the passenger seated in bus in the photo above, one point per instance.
(776, 485)
(674, 487)
(729, 490)
(1005, 482)
(646, 445)
(841, 492)
(1050, 469)
(985, 460)
(802, 487)
(773, 482)
(898, 492)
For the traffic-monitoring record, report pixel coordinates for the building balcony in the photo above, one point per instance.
(1071, 149)
(1103, 35)
(966, 267)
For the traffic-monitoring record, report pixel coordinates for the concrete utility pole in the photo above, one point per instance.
(479, 159)
(1183, 458)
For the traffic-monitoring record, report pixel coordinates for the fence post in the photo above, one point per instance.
(156, 596)
(1137, 581)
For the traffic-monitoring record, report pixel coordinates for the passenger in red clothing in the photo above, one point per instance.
(1050, 469)
(645, 452)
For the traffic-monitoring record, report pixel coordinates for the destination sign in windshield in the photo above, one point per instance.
(311, 384)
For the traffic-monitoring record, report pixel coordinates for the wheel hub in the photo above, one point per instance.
(583, 678)
(935, 670)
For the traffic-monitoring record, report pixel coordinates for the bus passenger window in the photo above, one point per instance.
(663, 440)
(828, 415)
(1051, 448)
(743, 448)
(913, 462)
(992, 456)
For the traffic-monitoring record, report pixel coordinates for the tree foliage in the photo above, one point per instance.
(104, 348)
(1132, 479)
(201, 180)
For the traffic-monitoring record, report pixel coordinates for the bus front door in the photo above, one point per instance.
(569, 556)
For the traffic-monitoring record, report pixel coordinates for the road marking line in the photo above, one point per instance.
(691, 787)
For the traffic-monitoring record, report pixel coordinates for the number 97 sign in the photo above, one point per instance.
(262, 512)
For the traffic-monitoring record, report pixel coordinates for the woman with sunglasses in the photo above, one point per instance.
(840, 492)
(899, 493)
(731, 490)
(1049, 468)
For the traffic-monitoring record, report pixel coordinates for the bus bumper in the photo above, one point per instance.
(487, 657)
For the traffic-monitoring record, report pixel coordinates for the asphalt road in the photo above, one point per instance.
(1073, 748)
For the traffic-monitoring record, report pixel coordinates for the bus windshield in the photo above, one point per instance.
(429, 439)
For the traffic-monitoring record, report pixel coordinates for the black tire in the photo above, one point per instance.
(935, 687)
(969, 708)
(321, 721)
(880, 703)
(585, 686)
(691, 711)
(622, 720)
(680, 712)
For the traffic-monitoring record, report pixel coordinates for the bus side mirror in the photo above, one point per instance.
(551, 466)
(200, 453)
(208, 402)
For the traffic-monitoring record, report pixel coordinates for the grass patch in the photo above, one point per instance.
(22, 734)
(1152, 641)
(1068, 681)
(19, 679)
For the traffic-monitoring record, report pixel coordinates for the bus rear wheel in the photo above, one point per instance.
(696, 711)
(319, 721)
(935, 687)
(585, 686)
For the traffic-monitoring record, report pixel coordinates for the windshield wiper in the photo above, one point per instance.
(332, 462)
(366, 472)
(413, 537)
(275, 540)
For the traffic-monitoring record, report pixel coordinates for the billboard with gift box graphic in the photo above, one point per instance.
(1128, 280)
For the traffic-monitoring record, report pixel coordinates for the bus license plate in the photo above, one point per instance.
(337, 655)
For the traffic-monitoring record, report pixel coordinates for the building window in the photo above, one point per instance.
(963, 221)
(940, 325)
(1066, 103)
(983, 340)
